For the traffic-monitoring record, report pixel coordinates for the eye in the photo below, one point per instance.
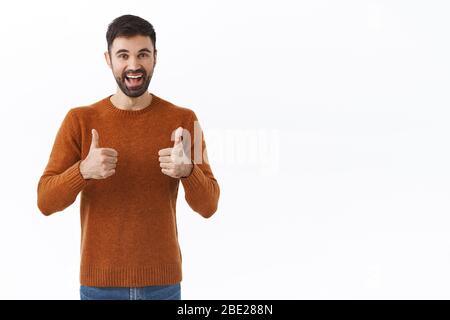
(143, 55)
(123, 56)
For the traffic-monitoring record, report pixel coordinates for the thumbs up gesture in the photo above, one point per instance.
(173, 161)
(100, 163)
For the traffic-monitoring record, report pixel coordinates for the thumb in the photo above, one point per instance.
(94, 142)
(178, 136)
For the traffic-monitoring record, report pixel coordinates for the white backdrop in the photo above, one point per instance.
(327, 129)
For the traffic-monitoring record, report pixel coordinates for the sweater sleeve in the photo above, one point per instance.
(61, 181)
(201, 188)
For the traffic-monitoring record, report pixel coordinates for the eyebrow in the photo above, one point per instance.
(126, 51)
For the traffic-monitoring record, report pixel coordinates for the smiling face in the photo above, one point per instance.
(132, 61)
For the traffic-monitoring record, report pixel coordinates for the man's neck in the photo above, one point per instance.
(122, 101)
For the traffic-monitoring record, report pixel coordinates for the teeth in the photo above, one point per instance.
(134, 77)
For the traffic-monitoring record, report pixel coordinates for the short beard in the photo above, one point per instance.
(135, 92)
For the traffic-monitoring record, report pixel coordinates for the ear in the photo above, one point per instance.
(108, 59)
(155, 57)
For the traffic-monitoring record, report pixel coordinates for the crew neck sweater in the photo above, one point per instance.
(129, 235)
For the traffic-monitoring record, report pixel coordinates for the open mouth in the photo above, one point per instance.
(134, 80)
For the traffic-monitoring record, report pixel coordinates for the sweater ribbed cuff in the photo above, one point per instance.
(194, 179)
(74, 178)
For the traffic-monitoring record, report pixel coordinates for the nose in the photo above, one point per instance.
(133, 64)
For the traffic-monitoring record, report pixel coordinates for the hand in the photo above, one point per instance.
(173, 161)
(100, 163)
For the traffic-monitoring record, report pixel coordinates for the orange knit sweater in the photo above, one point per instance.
(128, 221)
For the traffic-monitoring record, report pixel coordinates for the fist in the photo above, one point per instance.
(100, 163)
(173, 161)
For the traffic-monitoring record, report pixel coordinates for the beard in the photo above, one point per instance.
(132, 88)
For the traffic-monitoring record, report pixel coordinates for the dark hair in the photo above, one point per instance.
(128, 26)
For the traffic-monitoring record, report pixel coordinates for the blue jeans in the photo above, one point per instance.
(169, 292)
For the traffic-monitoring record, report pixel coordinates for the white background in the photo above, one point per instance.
(327, 129)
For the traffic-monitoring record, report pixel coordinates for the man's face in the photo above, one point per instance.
(132, 61)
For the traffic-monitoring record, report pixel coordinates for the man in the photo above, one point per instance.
(127, 154)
